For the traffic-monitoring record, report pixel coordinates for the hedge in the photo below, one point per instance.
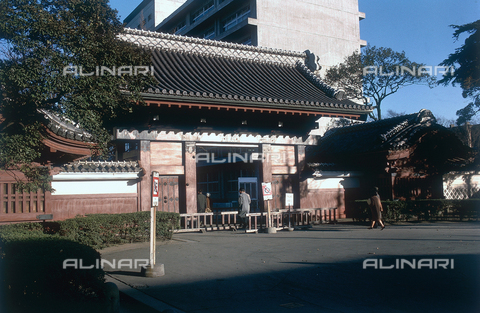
(98, 230)
(102, 230)
(32, 276)
(430, 209)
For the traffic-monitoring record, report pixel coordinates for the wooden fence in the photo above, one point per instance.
(18, 206)
(229, 220)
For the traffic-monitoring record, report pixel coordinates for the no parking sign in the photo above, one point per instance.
(267, 191)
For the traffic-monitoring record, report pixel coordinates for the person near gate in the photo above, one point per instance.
(376, 208)
(201, 202)
(244, 206)
(208, 209)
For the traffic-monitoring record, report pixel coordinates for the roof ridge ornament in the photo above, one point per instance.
(65, 127)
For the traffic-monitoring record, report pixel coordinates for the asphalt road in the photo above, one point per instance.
(321, 269)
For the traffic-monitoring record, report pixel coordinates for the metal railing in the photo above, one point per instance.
(282, 219)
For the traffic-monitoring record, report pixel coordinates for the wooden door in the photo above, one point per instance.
(168, 194)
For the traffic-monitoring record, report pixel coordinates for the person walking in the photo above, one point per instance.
(244, 206)
(376, 208)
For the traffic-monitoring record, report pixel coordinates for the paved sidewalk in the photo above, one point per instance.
(314, 270)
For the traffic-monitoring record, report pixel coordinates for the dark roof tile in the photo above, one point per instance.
(188, 68)
(395, 133)
(101, 167)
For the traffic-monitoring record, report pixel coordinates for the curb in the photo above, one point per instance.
(142, 302)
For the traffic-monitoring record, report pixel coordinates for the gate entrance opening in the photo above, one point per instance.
(222, 170)
(250, 184)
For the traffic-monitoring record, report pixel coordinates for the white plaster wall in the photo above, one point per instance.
(325, 123)
(94, 183)
(328, 28)
(93, 187)
(332, 183)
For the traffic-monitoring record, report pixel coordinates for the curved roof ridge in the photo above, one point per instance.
(314, 79)
(64, 127)
(397, 126)
(156, 40)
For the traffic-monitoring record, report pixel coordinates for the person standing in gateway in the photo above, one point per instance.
(201, 202)
(244, 205)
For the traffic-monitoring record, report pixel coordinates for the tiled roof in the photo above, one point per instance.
(210, 137)
(395, 133)
(198, 70)
(65, 128)
(101, 167)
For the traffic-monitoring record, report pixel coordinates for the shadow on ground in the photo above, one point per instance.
(334, 287)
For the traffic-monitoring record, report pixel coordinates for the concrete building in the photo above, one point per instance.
(329, 29)
(149, 13)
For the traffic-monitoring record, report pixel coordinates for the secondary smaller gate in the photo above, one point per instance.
(168, 194)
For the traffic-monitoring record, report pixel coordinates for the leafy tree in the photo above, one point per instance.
(377, 73)
(466, 61)
(45, 42)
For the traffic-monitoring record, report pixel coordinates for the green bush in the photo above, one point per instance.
(431, 209)
(21, 231)
(101, 230)
(32, 276)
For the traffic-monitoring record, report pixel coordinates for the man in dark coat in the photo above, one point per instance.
(201, 202)
(244, 206)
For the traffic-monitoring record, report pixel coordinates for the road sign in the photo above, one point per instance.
(155, 188)
(267, 191)
(289, 199)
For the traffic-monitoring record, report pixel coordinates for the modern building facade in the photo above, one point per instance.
(329, 29)
(150, 13)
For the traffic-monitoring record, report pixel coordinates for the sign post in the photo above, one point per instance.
(152, 270)
(153, 216)
(289, 204)
(267, 196)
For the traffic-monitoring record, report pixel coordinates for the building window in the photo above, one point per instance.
(204, 9)
(149, 17)
(209, 182)
(235, 18)
(209, 33)
(247, 41)
(181, 26)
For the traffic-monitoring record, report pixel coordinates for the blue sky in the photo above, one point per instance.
(418, 27)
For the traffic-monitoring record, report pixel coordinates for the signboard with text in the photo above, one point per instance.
(289, 199)
(267, 191)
